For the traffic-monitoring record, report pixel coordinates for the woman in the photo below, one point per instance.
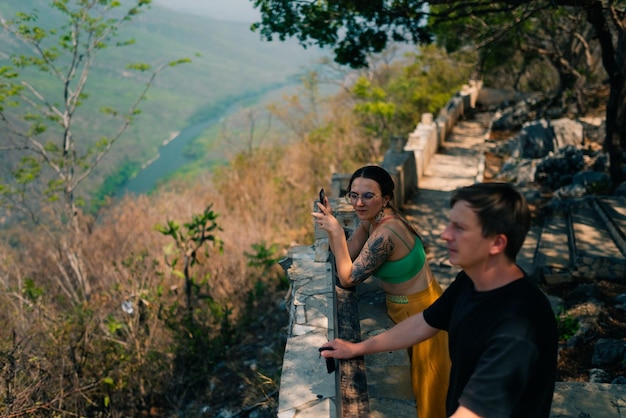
(386, 246)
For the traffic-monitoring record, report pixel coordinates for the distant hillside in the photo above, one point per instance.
(229, 10)
(229, 62)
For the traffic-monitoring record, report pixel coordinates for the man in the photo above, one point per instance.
(502, 331)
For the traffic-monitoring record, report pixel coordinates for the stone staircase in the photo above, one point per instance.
(577, 239)
(584, 239)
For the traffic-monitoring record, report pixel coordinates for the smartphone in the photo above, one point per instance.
(322, 195)
(330, 362)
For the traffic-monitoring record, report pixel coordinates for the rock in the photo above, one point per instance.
(592, 181)
(582, 294)
(587, 314)
(557, 170)
(620, 190)
(608, 351)
(512, 117)
(570, 190)
(567, 132)
(598, 376)
(536, 140)
(620, 380)
(594, 130)
(520, 172)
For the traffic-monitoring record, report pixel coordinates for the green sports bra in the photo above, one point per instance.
(402, 270)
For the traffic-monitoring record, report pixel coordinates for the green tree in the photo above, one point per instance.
(39, 121)
(356, 28)
(189, 240)
(554, 52)
(393, 103)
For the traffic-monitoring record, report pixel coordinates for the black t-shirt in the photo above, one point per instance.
(503, 347)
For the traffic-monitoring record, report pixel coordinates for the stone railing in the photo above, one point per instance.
(320, 310)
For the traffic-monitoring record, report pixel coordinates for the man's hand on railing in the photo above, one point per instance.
(330, 362)
(340, 349)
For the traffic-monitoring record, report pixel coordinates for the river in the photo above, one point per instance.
(171, 156)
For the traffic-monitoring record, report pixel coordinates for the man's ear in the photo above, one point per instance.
(499, 244)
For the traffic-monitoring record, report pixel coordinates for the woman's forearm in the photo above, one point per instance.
(343, 261)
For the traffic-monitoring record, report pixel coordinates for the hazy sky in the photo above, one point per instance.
(232, 10)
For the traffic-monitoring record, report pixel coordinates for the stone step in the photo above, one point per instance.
(596, 255)
(586, 240)
(553, 250)
(614, 209)
(526, 258)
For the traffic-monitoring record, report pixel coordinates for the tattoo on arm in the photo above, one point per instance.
(356, 241)
(374, 253)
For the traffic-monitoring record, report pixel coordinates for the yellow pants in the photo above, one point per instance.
(430, 362)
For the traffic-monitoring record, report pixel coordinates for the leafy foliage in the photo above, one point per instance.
(193, 237)
(393, 105)
(353, 28)
(567, 326)
(539, 48)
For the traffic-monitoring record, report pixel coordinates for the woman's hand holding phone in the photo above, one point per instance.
(327, 223)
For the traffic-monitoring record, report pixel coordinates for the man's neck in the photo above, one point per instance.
(490, 277)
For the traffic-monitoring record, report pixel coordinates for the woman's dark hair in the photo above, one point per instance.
(501, 209)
